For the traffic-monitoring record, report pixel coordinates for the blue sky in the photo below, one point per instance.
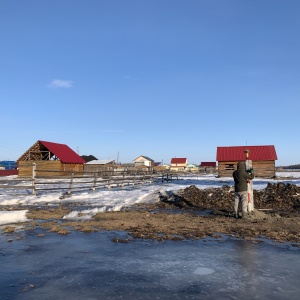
(161, 78)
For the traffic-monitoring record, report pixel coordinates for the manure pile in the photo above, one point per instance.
(278, 197)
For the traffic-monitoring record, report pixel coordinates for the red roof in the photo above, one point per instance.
(208, 164)
(64, 153)
(236, 153)
(178, 160)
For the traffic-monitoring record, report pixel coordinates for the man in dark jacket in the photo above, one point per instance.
(241, 177)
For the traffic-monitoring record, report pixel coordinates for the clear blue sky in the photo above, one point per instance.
(161, 78)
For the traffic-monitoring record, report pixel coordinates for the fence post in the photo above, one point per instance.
(108, 182)
(123, 180)
(150, 178)
(33, 178)
(95, 181)
(70, 185)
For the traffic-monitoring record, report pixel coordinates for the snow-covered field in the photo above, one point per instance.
(117, 198)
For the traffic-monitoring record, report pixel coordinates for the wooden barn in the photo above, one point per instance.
(263, 159)
(50, 157)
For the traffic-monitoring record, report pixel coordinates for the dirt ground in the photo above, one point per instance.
(190, 213)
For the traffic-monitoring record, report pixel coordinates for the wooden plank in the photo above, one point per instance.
(18, 187)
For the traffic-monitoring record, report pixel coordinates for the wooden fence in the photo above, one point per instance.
(71, 181)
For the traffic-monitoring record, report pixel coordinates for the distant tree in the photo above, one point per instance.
(292, 167)
(88, 158)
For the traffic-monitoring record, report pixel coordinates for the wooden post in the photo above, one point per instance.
(108, 182)
(70, 185)
(95, 182)
(33, 178)
(150, 180)
(123, 179)
(248, 167)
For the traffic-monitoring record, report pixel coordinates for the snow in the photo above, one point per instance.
(117, 198)
(7, 217)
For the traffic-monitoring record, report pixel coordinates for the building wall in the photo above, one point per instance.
(265, 169)
(47, 168)
(207, 169)
(72, 167)
(178, 167)
(98, 167)
(8, 172)
(142, 161)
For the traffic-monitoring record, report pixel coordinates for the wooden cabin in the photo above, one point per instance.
(52, 158)
(178, 164)
(263, 160)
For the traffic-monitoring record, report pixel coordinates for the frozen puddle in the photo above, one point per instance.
(39, 265)
(203, 271)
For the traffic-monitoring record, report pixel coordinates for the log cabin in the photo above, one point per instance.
(263, 160)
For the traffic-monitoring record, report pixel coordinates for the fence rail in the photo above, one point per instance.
(71, 181)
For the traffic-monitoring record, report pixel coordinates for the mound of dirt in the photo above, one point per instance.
(278, 197)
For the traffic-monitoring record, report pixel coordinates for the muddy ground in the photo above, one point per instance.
(190, 213)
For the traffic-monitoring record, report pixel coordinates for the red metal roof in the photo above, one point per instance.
(64, 153)
(178, 160)
(236, 153)
(208, 164)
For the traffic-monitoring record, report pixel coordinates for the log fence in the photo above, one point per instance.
(70, 181)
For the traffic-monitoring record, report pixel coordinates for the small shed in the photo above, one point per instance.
(208, 166)
(263, 159)
(178, 164)
(192, 168)
(50, 157)
(99, 165)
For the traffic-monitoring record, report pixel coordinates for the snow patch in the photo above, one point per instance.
(9, 217)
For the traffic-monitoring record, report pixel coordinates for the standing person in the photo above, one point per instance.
(240, 177)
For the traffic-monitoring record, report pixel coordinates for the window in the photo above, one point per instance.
(229, 167)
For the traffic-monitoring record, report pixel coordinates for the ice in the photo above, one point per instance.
(91, 266)
(203, 271)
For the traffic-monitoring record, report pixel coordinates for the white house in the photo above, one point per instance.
(143, 161)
